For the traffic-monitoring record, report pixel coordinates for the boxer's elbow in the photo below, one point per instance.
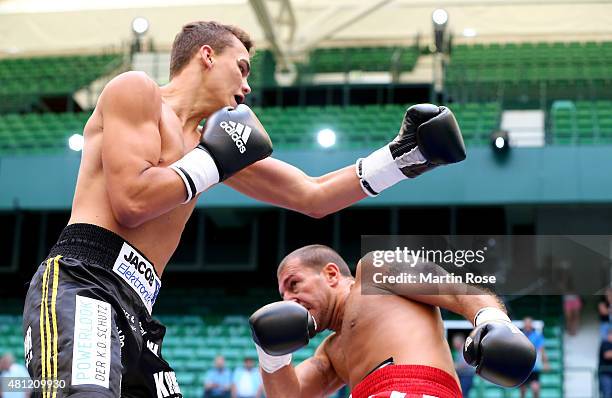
(313, 203)
(314, 212)
(129, 214)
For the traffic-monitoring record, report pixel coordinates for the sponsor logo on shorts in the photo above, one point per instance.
(166, 384)
(142, 331)
(129, 316)
(91, 354)
(154, 348)
(121, 336)
(27, 346)
(139, 274)
(238, 132)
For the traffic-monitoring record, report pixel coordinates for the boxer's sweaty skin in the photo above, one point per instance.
(135, 132)
(369, 328)
(158, 237)
(377, 327)
(138, 129)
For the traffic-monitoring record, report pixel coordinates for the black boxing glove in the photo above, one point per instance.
(429, 137)
(279, 329)
(501, 353)
(232, 139)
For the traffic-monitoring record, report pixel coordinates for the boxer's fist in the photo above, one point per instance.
(232, 139)
(281, 328)
(431, 130)
(429, 137)
(278, 330)
(501, 353)
(235, 139)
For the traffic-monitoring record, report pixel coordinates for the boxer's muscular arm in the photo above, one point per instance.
(313, 378)
(281, 184)
(138, 189)
(462, 299)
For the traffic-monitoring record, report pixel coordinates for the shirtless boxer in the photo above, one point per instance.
(387, 343)
(87, 316)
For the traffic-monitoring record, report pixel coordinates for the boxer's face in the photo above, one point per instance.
(307, 287)
(228, 73)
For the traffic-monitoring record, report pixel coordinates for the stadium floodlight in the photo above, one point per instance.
(469, 32)
(326, 138)
(440, 20)
(75, 142)
(500, 141)
(439, 17)
(140, 25)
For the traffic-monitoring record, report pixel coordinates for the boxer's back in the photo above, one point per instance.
(156, 238)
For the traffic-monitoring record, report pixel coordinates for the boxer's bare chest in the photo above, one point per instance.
(174, 142)
(347, 350)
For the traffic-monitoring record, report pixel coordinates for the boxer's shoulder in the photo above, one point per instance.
(333, 351)
(132, 93)
(133, 78)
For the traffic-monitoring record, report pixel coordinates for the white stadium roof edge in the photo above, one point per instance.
(294, 26)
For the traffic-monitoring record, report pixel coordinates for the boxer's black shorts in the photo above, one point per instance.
(87, 320)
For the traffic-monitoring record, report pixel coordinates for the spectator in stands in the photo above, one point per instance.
(572, 304)
(605, 366)
(464, 371)
(604, 309)
(8, 368)
(247, 381)
(541, 364)
(218, 381)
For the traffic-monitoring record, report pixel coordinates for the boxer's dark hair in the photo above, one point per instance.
(316, 257)
(196, 34)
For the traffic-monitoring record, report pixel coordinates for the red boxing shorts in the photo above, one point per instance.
(407, 381)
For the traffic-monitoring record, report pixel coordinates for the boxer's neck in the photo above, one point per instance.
(338, 311)
(190, 101)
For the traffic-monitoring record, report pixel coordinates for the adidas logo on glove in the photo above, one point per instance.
(239, 133)
(214, 160)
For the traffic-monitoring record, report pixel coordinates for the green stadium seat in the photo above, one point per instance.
(518, 69)
(44, 76)
(290, 128)
(367, 59)
(185, 378)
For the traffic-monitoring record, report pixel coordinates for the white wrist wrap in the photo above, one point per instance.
(197, 170)
(488, 314)
(270, 363)
(380, 171)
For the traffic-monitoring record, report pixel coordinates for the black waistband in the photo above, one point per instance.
(91, 244)
(386, 362)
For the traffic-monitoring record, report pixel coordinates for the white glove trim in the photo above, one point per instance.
(488, 314)
(411, 158)
(270, 363)
(198, 171)
(379, 171)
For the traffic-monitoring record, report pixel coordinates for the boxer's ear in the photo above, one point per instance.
(205, 54)
(331, 273)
